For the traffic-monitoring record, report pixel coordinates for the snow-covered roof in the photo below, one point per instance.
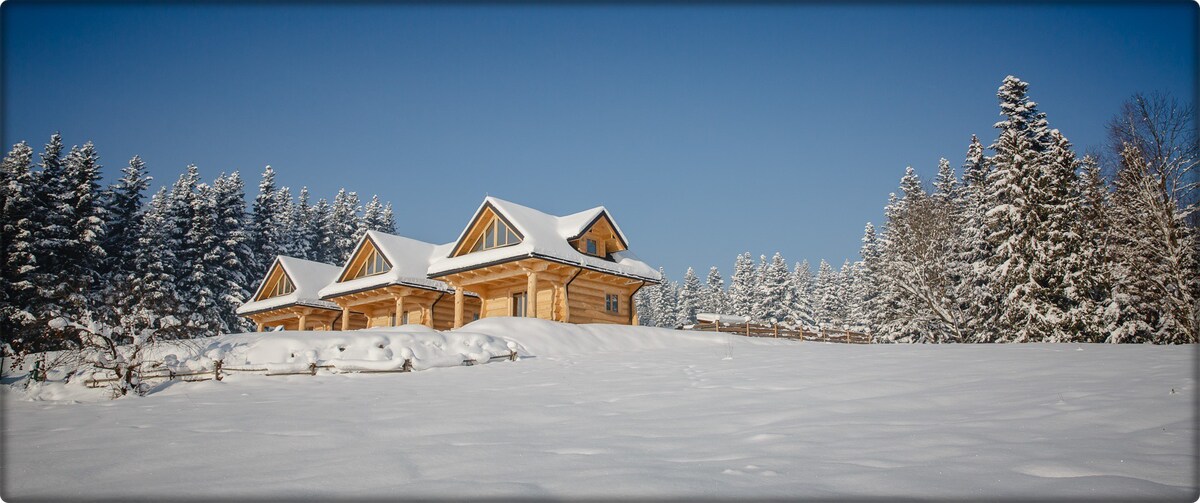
(410, 260)
(307, 276)
(544, 236)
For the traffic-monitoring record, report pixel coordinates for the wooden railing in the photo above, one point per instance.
(783, 332)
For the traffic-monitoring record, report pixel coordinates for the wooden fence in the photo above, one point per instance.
(774, 330)
(220, 370)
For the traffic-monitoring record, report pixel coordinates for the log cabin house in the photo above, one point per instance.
(509, 260)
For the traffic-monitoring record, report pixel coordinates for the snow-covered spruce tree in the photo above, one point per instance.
(318, 228)
(854, 293)
(185, 245)
(644, 304)
(1061, 243)
(232, 256)
(289, 224)
(205, 285)
(52, 221)
(689, 298)
(266, 224)
(151, 306)
(304, 226)
(740, 298)
(666, 307)
(1023, 221)
(123, 204)
(866, 285)
(1097, 313)
(18, 192)
(799, 300)
(829, 309)
(377, 217)
(976, 299)
(772, 298)
(712, 299)
(343, 227)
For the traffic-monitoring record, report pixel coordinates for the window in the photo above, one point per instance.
(282, 287)
(591, 247)
(496, 234)
(611, 303)
(518, 304)
(373, 263)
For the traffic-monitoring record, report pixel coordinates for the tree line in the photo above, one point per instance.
(82, 264)
(1032, 243)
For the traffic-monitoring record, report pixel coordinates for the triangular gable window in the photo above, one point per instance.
(496, 235)
(372, 263)
(367, 261)
(278, 284)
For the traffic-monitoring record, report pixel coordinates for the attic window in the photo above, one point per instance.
(282, 287)
(496, 234)
(591, 247)
(373, 263)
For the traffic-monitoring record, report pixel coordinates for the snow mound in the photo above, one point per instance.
(551, 338)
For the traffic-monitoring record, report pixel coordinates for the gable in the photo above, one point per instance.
(487, 230)
(604, 236)
(277, 284)
(367, 260)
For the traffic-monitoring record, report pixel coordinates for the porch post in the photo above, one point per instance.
(399, 311)
(346, 318)
(458, 307)
(531, 296)
(303, 322)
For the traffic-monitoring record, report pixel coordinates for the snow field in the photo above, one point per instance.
(619, 412)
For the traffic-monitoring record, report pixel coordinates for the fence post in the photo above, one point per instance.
(512, 356)
(747, 328)
(776, 327)
(718, 325)
(407, 365)
(312, 368)
(217, 370)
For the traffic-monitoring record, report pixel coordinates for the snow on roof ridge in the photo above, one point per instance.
(308, 277)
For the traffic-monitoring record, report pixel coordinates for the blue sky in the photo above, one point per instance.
(707, 130)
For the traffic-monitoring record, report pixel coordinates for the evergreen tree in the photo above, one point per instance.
(343, 227)
(866, 287)
(829, 312)
(151, 307)
(689, 298)
(377, 217)
(124, 208)
(17, 230)
(266, 236)
(713, 295)
(320, 225)
(774, 283)
(232, 255)
(799, 301)
(740, 299)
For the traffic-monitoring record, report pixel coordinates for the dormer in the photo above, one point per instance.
(488, 230)
(599, 238)
(367, 260)
(278, 284)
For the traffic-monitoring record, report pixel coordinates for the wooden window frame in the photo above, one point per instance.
(612, 303)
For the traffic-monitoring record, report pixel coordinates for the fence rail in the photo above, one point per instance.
(782, 332)
(220, 370)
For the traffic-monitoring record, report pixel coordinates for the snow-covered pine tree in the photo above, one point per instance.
(289, 224)
(302, 226)
(713, 295)
(150, 307)
(343, 230)
(266, 224)
(1018, 266)
(1059, 243)
(828, 312)
(388, 223)
(866, 286)
(204, 285)
(46, 267)
(89, 257)
(230, 279)
(16, 234)
(184, 243)
(666, 307)
(319, 226)
(976, 298)
(740, 298)
(774, 282)
(643, 302)
(123, 205)
(799, 299)
(689, 298)
(377, 217)
(1097, 313)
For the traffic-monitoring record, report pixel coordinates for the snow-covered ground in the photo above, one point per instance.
(620, 412)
